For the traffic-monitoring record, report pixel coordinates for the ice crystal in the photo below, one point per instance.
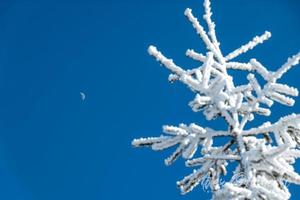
(266, 163)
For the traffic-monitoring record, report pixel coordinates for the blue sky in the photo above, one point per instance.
(55, 146)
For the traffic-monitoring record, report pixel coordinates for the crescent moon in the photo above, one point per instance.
(82, 96)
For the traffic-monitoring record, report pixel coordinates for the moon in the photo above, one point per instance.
(82, 95)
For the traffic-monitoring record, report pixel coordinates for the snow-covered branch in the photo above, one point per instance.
(250, 45)
(265, 154)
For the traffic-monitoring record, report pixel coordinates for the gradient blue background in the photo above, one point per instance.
(55, 146)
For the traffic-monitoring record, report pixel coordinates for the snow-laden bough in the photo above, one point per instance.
(267, 164)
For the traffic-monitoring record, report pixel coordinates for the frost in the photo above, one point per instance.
(266, 164)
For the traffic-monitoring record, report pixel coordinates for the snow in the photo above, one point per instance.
(266, 164)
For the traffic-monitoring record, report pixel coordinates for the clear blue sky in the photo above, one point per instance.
(54, 146)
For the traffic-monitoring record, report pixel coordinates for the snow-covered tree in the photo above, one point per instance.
(264, 155)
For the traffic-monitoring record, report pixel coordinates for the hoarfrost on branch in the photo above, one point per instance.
(265, 163)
